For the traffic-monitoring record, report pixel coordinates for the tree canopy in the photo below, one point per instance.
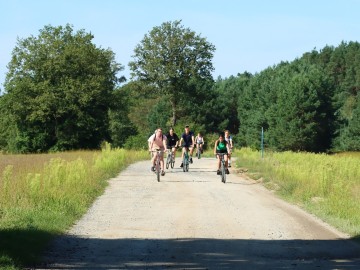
(168, 57)
(58, 91)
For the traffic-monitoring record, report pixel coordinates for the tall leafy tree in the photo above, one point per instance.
(59, 90)
(168, 57)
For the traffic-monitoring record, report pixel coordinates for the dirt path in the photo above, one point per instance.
(193, 221)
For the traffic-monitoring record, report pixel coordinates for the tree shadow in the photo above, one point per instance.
(22, 247)
(71, 252)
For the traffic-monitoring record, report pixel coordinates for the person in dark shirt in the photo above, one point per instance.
(172, 141)
(187, 140)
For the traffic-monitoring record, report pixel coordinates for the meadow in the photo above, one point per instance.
(325, 185)
(42, 195)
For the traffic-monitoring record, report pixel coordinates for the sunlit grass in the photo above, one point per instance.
(327, 185)
(43, 195)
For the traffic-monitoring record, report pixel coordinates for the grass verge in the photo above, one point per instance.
(325, 185)
(41, 196)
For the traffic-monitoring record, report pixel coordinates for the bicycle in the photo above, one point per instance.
(186, 160)
(170, 161)
(222, 166)
(157, 163)
(198, 150)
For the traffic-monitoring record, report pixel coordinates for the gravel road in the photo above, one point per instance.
(193, 221)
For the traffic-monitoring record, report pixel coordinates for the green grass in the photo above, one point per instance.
(325, 185)
(41, 196)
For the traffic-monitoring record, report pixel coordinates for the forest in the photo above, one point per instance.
(61, 92)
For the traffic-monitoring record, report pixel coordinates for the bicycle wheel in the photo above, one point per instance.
(172, 163)
(223, 173)
(184, 164)
(198, 153)
(187, 161)
(168, 161)
(158, 171)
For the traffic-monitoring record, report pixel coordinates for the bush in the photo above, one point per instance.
(138, 142)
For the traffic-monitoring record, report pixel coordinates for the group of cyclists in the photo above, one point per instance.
(159, 141)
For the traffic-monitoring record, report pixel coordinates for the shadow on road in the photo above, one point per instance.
(82, 253)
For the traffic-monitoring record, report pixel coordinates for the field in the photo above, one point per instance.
(42, 195)
(325, 185)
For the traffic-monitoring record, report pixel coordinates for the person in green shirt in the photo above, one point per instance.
(221, 146)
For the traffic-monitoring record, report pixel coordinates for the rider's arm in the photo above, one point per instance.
(177, 141)
(150, 142)
(165, 143)
(193, 141)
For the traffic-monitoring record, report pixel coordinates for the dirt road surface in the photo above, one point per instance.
(193, 221)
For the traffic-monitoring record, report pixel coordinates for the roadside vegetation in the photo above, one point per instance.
(42, 195)
(325, 185)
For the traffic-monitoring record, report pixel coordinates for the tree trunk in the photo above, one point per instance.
(173, 105)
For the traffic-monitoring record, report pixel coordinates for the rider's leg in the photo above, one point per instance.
(191, 150)
(226, 164)
(162, 163)
(182, 156)
(226, 161)
(218, 164)
(153, 160)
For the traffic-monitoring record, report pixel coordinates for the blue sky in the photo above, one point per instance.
(248, 35)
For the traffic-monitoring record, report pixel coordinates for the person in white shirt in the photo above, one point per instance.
(229, 139)
(199, 140)
(157, 141)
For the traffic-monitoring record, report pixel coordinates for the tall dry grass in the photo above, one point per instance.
(42, 195)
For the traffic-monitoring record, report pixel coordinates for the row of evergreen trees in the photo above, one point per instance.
(310, 104)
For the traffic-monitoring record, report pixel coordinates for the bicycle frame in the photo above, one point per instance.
(186, 159)
(157, 163)
(170, 159)
(198, 150)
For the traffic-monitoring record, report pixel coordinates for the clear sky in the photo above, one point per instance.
(248, 35)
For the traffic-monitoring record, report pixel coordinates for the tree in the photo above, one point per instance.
(168, 57)
(120, 125)
(59, 90)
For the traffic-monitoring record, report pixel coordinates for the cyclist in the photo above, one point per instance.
(199, 140)
(221, 146)
(157, 141)
(187, 141)
(172, 141)
(228, 138)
